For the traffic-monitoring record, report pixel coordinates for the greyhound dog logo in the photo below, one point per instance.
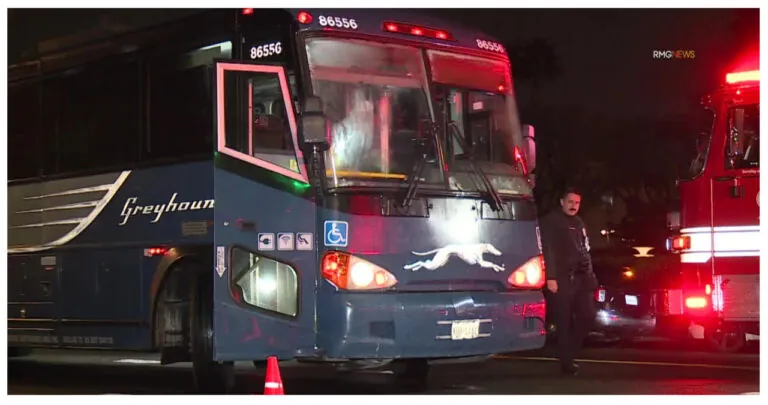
(471, 254)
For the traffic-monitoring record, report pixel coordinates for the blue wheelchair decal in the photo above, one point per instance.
(336, 233)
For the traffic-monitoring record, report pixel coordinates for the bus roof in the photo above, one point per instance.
(65, 52)
(400, 24)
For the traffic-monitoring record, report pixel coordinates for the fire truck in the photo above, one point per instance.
(717, 225)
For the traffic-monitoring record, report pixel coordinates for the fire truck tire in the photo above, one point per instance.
(211, 377)
(726, 339)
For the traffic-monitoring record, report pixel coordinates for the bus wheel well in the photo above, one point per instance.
(170, 320)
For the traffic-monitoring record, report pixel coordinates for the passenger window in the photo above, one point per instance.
(743, 148)
(265, 283)
(180, 118)
(23, 130)
(257, 124)
(87, 111)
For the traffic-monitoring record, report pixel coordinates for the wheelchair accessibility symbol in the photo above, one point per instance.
(336, 233)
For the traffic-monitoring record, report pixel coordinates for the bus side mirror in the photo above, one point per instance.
(314, 125)
(529, 146)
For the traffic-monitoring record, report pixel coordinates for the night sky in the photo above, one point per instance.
(605, 56)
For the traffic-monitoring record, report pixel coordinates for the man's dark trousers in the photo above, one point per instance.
(574, 308)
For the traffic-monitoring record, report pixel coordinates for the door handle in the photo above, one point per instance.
(736, 190)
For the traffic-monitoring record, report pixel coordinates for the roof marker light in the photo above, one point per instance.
(417, 30)
(304, 17)
(247, 11)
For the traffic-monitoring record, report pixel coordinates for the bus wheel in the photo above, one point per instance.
(411, 375)
(211, 377)
(726, 339)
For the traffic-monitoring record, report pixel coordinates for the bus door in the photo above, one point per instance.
(265, 268)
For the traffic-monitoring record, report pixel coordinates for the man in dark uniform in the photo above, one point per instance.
(569, 277)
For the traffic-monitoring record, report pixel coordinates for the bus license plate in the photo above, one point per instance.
(465, 329)
(631, 300)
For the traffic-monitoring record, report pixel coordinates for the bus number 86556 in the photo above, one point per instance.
(266, 50)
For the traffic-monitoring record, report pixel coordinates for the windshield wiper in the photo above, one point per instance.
(496, 203)
(422, 146)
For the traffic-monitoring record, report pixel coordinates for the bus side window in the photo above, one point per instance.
(23, 130)
(91, 118)
(264, 130)
(180, 114)
(742, 151)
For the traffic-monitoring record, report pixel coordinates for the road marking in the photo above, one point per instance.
(137, 361)
(637, 363)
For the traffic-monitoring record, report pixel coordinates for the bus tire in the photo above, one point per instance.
(211, 377)
(411, 375)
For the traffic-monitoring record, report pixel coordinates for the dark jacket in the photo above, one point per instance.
(565, 245)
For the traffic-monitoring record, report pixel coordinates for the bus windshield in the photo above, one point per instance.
(375, 96)
(481, 117)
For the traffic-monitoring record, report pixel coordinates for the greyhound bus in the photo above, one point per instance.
(349, 187)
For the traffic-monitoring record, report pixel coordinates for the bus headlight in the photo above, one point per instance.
(353, 273)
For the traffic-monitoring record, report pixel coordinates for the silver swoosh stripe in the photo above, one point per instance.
(51, 223)
(86, 204)
(84, 190)
(85, 223)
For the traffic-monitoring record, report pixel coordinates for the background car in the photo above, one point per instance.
(632, 281)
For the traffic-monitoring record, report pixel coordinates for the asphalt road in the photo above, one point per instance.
(644, 368)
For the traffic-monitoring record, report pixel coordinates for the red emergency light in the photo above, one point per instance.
(696, 302)
(678, 243)
(247, 11)
(416, 30)
(741, 77)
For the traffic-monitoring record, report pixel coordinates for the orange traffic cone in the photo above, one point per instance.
(273, 384)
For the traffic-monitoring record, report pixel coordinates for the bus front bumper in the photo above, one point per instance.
(430, 324)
